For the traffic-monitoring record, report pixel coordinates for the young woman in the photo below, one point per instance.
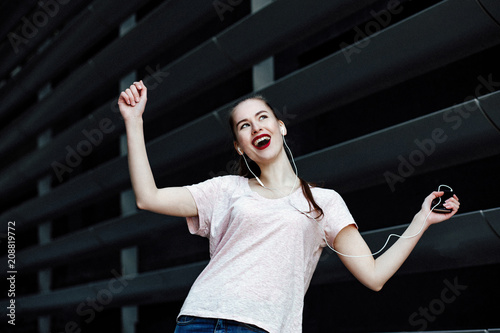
(266, 228)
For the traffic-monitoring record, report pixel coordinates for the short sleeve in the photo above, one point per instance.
(205, 195)
(336, 217)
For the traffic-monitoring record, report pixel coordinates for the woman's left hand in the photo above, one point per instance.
(452, 203)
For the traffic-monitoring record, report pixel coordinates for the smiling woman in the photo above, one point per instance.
(262, 140)
(266, 236)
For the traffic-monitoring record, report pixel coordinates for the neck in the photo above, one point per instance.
(279, 174)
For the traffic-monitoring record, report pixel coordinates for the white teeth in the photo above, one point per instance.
(259, 140)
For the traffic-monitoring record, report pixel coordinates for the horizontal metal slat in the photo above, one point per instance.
(448, 137)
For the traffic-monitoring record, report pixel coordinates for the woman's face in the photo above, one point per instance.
(257, 131)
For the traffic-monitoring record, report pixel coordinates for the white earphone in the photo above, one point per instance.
(240, 151)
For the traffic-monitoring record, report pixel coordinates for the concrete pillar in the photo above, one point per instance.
(45, 228)
(128, 256)
(263, 72)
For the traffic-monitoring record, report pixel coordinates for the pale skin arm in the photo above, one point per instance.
(374, 273)
(175, 201)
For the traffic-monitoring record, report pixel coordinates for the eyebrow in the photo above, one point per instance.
(256, 115)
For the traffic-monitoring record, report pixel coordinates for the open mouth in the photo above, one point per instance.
(262, 141)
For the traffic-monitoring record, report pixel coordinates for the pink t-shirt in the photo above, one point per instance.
(263, 252)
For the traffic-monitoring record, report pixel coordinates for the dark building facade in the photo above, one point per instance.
(383, 101)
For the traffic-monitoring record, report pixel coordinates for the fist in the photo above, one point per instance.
(132, 101)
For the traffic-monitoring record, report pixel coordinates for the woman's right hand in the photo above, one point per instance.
(132, 101)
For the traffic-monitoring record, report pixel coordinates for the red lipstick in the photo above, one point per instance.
(261, 141)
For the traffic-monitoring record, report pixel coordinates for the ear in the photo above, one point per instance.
(282, 128)
(238, 149)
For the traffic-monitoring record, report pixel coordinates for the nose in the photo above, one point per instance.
(256, 128)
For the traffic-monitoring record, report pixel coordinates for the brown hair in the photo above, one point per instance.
(245, 172)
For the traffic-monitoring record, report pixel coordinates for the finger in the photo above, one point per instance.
(130, 96)
(125, 97)
(453, 199)
(438, 193)
(139, 85)
(432, 196)
(452, 203)
(135, 93)
(448, 205)
(144, 90)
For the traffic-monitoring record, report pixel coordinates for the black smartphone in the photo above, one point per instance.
(440, 208)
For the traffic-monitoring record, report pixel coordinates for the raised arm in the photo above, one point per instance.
(176, 201)
(374, 273)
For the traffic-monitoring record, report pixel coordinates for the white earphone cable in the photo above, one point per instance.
(315, 219)
(388, 237)
(293, 161)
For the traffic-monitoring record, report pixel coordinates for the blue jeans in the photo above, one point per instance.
(188, 324)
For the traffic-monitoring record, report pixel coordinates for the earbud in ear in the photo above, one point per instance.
(282, 130)
(239, 151)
